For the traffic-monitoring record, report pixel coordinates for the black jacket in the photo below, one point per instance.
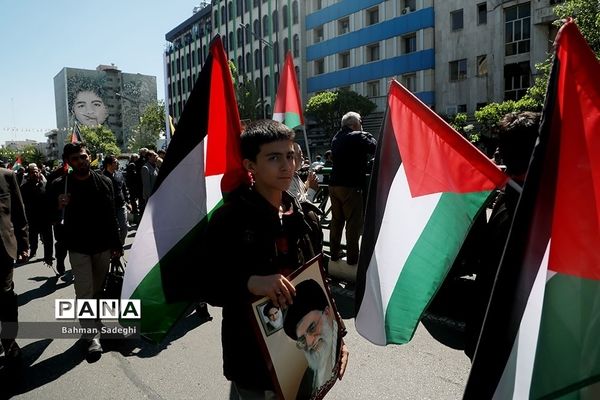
(90, 222)
(245, 237)
(119, 188)
(351, 152)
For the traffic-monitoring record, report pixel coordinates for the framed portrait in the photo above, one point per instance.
(302, 343)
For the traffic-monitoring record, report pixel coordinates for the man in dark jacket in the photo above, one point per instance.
(15, 247)
(111, 171)
(257, 238)
(351, 150)
(33, 191)
(85, 201)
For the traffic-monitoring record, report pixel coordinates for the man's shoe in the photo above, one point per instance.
(94, 351)
(202, 312)
(13, 355)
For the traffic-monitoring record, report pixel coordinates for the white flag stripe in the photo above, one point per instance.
(403, 222)
(518, 372)
(279, 117)
(176, 207)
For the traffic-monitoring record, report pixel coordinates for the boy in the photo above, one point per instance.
(256, 239)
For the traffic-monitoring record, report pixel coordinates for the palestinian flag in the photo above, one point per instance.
(427, 186)
(288, 108)
(541, 335)
(18, 164)
(202, 162)
(76, 135)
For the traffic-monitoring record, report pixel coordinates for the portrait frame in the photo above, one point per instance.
(288, 364)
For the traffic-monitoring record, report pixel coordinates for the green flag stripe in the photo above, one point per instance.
(291, 120)
(429, 262)
(567, 353)
(158, 316)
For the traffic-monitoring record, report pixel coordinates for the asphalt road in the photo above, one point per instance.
(188, 364)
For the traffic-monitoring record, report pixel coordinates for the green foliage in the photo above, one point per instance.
(100, 139)
(151, 126)
(329, 107)
(586, 14)
(492, 113)
(31, 154)
(8, 155)
(249, 101)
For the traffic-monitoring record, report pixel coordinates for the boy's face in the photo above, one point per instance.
(274, 166)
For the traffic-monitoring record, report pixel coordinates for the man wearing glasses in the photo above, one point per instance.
(311, 322)
(84, 200)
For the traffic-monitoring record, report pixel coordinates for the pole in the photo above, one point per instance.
(306, 142)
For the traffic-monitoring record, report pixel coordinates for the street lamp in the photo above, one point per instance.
(261, 41)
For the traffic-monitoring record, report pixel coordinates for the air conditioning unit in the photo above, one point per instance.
(406, 10)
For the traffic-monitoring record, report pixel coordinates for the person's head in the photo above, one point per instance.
(143, 152)
(89, 108)
(134, 157)
(33, 172)
(159, 161)
(268, 154)
(152, 157)
(161, 153)
(309, 321)
(298, 156)
(78, 157)
(352, 120)
(273, 314)
(328, 155)
(110, 163)
(517, 134)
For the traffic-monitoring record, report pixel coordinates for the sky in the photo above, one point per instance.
(41, 37)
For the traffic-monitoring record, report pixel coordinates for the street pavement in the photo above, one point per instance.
(188, 364)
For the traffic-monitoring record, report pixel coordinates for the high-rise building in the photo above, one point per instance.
(256, 35)
(362, 45)
(486, 51)
(104, 96)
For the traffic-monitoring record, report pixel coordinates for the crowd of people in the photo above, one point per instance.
(273, 226)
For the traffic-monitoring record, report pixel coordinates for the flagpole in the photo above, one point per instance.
(515, 185)
(306, 142)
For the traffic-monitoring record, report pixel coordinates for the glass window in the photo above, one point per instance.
(318, 34)
(265, 23)
(295, 12)
(373, 52)
(456, 20)
(344, 60)
(517, 29)
(461, 108)
(285, 16)
(458, 70)
(516, 80)
(343, 26)
(373, 89)
(410, 82)
(372, 16)
(409, 43)
(410, 4)
(482, 66)
(296, 45)
(319, 66)
(481, 13)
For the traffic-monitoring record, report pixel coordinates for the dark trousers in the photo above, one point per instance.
(346, 209)
(8, 300)
(60, 246)
(44, 232)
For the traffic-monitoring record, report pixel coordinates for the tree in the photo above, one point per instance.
(31, 154)
(249, 102)
(586, 14)
(100, 139)
(151, 126)
(8, 155)
(329, 107)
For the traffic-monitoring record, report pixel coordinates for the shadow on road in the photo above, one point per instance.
(28, 376)
(145, 349)
(50, 285)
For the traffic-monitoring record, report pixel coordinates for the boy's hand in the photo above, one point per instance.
(276, 287)
(344, 362)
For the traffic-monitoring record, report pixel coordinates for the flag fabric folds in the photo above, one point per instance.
(76, 135)
(18, 164)
(288, 108)
(203, 161)
(540, 338)
(427, 186)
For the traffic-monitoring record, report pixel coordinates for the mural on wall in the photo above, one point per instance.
(86, 99)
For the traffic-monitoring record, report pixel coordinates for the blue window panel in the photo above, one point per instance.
(384, 30)
(417, 61)
(337, 11)
(426, 97)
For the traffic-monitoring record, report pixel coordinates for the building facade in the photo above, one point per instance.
(105, 96)
(256, 35)
(486, 51)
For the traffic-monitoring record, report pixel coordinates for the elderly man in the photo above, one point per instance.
(311, 322)
(351, 151)
(273, 317)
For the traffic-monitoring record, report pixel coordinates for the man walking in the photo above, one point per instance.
(15, 246)
(85, 201)
(351, 150)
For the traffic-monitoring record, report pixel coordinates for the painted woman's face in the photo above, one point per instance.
(89, 109)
